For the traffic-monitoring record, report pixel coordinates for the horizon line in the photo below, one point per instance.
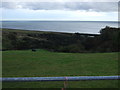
(57, 20)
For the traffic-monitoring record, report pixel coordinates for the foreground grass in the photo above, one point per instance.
(44, 64)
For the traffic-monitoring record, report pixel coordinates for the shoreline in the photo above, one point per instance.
(50, 31)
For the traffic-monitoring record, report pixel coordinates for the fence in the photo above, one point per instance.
(65, 79)
(74, 78)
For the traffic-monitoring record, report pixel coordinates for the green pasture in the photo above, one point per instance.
(42, 63)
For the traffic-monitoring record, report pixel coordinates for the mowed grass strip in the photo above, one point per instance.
(42, 63)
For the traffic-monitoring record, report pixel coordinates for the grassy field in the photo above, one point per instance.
(25, 63)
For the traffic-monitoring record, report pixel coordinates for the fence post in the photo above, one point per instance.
(65, 84)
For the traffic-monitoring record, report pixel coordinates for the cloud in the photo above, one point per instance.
(9, 5)
(61, 1)
(87, 6)
(27, 14)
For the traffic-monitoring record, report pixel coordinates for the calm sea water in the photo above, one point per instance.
(60, 26)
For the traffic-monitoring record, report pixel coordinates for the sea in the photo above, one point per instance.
(91, 27)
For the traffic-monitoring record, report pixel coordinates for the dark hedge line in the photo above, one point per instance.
(107, 41)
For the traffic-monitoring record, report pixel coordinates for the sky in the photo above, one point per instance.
(60, 10)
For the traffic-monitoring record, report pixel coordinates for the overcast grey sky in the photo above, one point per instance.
(83, 11)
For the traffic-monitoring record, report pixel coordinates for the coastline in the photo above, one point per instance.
(42, 31)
